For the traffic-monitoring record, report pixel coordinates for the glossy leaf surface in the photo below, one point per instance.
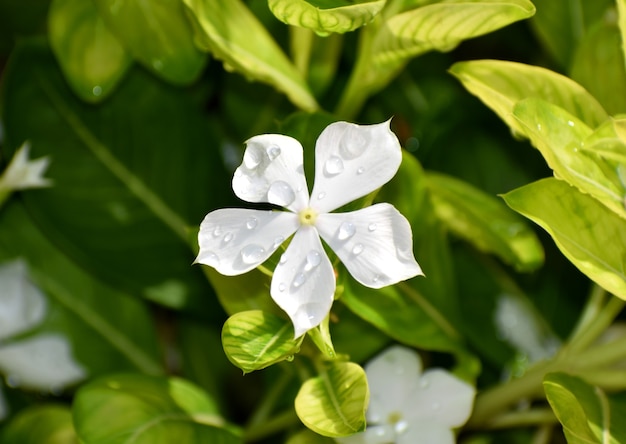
(143, 409)
(587, 413)
(224, 27)
(158, 35)
(501, 84)
(92, 58)
(333, 403)
(485, 222)
(325, 17)
(254, 340)
(591, 236)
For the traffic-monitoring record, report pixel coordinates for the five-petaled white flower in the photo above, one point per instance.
(374, 243)
(410, 407)
(22, 173)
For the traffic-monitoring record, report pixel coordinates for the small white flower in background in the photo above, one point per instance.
(374, 243)
(411, 407)
(43, 361)
(22, 173)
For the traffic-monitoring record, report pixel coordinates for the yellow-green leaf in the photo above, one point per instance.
(590, 235)
(500, 85)
(334, 402)
(92, 59)
(233, 34)
(326, 16)
(560, 136)
(484, 221)
(157, 34)
(254, 340)
(41, 424)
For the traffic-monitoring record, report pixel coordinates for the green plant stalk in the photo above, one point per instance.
(597, 326)
(595, 302)
(281, 421)
(266, 406)
(301, 45)
(523, 418)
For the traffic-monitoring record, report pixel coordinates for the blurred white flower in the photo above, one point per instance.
(374, 243)
(411, 407)
(22, 173)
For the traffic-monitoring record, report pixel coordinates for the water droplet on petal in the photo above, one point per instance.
(358, 249)
(279, 240)
(273, 151)
(360, 170)
(217, 231)
(251, 157)
(375, 279)
(209, 258)
(251, 223)
(313, 259)
(321, 195)
(333, 166)
(346, 231)
(227, 238)
(283, 259)
(352, 144)
(281, 193)
(251, 254)
(298, 280)
(281, 286)
(401, 427)
(372, 227)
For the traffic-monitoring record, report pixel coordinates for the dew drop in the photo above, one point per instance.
(281, 286)
(333, 166)
(321, 195)
(360, 171)
(375, 279)
(281, 193)
(279, 240)
(372, 227)
(570, 123)
(217, 231)
(313, 259)
(401, 427)
(346, 231)
(273, 151)
(283, 259)
(251, 223)
(353, 143)
(251, 158)
(97, 90)
(251, 254)
(299, 279)
(358, 249)
(539, 127)
(227, 238)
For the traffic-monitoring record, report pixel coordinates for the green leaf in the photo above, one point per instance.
(598, 65)
(141, 409)
(621, 23)
(224, 27)
(404, 315)
(91, 314)
(559, 136)
(92, 58)
(123, 196)
(254, 340)
(333, 403)
(42, 424)
(308, 437)
(561, 24)
(485, 222)
(591, 236)
(326, 16)
(442, 26)
(158, 35)
(500, 85)
(587, 413)
(609, 142)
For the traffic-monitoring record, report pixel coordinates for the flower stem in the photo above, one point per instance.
(523, 418)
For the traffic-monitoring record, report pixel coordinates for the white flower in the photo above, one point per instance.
(23, 173)
(411, 407)
(374, 243)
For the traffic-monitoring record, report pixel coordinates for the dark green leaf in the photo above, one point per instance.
(140, 409)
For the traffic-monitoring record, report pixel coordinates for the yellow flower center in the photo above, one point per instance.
(307, 216)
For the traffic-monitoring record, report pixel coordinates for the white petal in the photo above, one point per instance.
(441, 398)
(391, 376)
(352, 161)
(374, 243)
(236, 240)
(426, 433)
(22, 304)
(303, 284)
(375, 434)
(272, 171)
(23, 173)
(43, 362)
